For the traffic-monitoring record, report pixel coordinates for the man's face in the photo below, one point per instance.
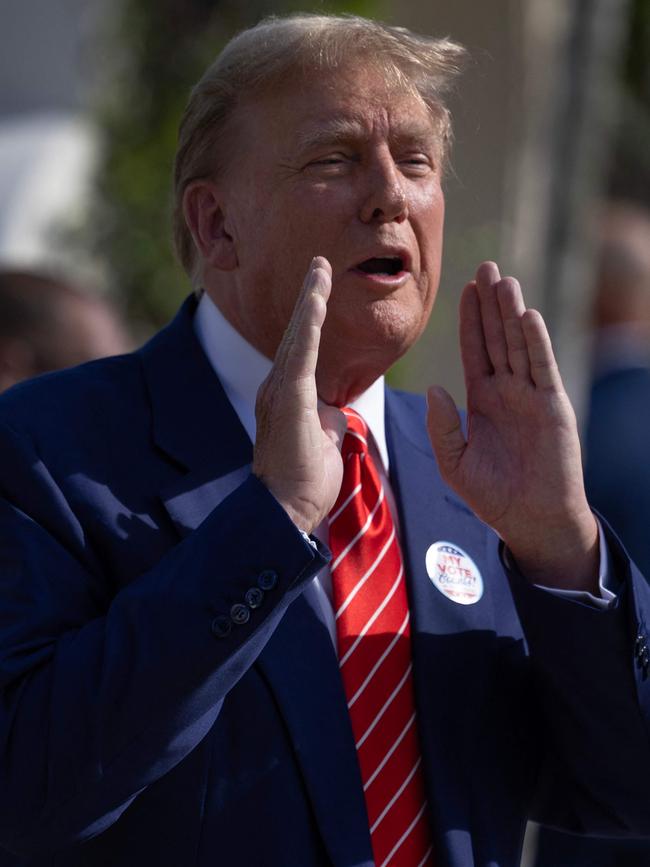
(344, 167)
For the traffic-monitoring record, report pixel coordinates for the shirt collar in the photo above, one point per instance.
(242, 369)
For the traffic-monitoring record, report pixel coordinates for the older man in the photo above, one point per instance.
(188, 678)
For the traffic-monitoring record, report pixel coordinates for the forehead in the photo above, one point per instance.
(340, 105)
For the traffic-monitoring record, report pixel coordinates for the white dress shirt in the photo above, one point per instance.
(242, 369)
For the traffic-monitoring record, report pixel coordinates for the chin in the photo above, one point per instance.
(381, 334)
(393, 325)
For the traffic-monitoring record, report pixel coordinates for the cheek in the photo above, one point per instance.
(427, 218)
(323, 205)
(427, 206)
(315, 224)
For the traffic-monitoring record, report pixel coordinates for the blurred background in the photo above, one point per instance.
(550, 176)
(552, 120)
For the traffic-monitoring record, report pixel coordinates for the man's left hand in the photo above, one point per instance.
(519, 468)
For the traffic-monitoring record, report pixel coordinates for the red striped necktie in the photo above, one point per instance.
(374, 647)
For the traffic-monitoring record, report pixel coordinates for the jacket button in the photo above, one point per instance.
(240, 614)
(221, 626)
(267, 580)
(254, 597)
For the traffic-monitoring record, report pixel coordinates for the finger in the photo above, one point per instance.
(307, 287)
(512, 307)
(317, 282)
(304, 338)
(476, 361)
(543, 367)
(298, 309)
(445, 431)
(487, 277)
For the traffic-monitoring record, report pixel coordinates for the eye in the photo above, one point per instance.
(417, 164)
(331, 163)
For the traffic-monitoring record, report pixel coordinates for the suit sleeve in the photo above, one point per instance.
(591, 681)
(101, 693)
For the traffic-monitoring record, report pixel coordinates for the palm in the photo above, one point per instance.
(519, 468)
(516, 436)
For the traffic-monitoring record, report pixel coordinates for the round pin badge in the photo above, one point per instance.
(454, 573)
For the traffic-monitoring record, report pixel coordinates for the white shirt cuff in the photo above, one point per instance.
(607, 596)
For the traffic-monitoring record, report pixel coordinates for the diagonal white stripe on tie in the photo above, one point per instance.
(346, 502)
(365, 577)
(390, 752)
(373, 670)
(372, 725)
(389, 805)
(361, 532)
(374, 617)
(404, 836)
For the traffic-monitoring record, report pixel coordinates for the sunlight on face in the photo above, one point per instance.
(345, 167)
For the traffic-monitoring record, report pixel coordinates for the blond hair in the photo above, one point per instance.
(274, 53)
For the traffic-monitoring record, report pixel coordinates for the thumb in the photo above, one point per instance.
(445, 431)
(333, 422)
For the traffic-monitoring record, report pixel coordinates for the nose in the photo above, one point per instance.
(385, 201)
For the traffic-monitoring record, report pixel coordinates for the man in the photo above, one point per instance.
(618, 479)
(46, 323)
(186, 679)
(617, 473)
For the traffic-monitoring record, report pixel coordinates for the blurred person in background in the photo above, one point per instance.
(617, 449)
(617, 470)
(257, 608)
(48, 323)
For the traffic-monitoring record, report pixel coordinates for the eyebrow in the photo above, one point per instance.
(343, 130)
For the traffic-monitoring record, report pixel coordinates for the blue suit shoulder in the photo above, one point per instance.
(74, 404)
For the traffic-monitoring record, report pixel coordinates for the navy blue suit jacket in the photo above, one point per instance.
(132, 733)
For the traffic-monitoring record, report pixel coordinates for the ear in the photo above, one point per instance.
(205, 218)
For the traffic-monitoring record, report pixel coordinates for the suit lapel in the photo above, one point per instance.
(301, 666)
(451, 643)
(195, 425)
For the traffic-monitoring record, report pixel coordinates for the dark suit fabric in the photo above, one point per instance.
(617, 478)
(132, 734)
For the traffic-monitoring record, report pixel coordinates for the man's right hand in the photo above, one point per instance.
(297, 447)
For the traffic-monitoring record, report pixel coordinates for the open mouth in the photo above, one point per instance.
(389, 266)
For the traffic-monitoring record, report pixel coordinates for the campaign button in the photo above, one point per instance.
(453, 572)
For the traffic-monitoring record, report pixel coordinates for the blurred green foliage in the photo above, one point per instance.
(636, 71)
(159, 48)
(630, 166)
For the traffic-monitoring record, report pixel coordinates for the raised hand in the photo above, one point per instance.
(519, 468)
(297, 447)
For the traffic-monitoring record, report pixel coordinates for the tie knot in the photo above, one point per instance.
(356, 436)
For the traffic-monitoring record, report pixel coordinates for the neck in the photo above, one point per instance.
(340, 375)
(338, 388)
